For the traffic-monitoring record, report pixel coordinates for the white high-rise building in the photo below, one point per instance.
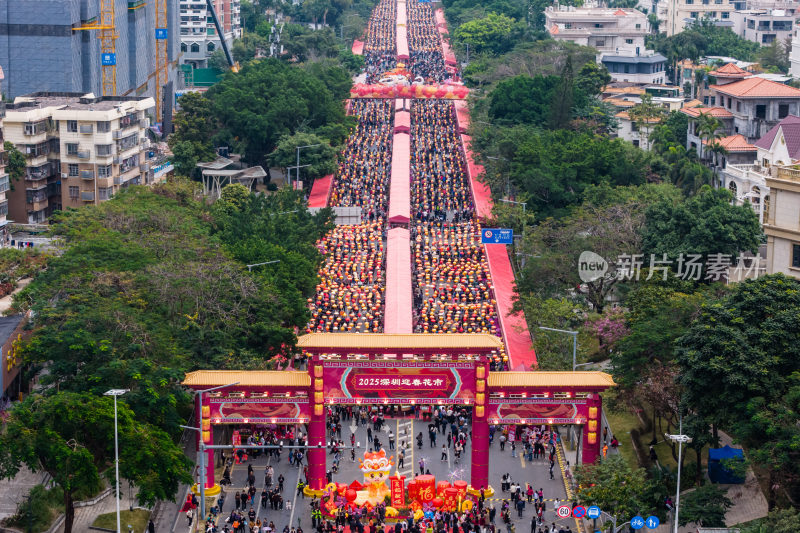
(199, 36)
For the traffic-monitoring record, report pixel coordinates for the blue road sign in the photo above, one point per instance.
(108, 59)
(652, 522)
(497, 236)
(593, 512)
(162, 33)
(579, 511)
(637, 522)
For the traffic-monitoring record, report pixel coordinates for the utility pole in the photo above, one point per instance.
(680, 438)
(115, 393)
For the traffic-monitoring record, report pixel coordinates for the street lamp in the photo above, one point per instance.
(297, 172)
(202, 448)
(680, 439)
(574, 344)
(115, 393)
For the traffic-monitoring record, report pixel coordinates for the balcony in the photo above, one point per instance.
(144, 167)
(86, 128)
(789, 173)
(87, 174)
(84, 154)
(5, 183)
(87, 196)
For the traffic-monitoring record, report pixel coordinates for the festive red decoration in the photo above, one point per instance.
(351, 495)
(398, 492)
(426, 488)
(437, 502)
(441, 486)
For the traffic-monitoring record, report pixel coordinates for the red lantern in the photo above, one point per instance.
(351, 495)
(437, 502)
(441, 92)
(460, 91)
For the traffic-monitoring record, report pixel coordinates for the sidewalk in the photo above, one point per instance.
(5, 301)
(14, 491)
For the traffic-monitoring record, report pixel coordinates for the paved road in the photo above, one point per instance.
(522, 471)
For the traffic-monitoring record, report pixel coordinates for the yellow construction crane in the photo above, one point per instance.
(107, 34)
(162, 59)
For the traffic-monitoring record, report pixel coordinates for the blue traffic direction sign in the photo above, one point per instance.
(652, 522)
(578, 511)
(593, 512)
(108, 59)
(637, 522)
(162, 33)
(497, 236)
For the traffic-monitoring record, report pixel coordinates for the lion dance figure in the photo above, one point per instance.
(376, 468)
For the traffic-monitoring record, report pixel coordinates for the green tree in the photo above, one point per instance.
(563, 98)
(492, 33)
(71, 437)
(16, 161)
(320, 155)
(218, 61)
(777, 521)
(706, 224)
(554, 350)
(592, 78)
(615, 487)
(646, 114)
(523, 99)
(195, 127)
(774, 57)
(705, 506)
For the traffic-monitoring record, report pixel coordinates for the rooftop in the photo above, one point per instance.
(617, 58)
(87, 101)
(734, 143)
(790, 129)
(729, 70)
(624, 115)
(550, 379)
(576, 12)
(7, 326)
(757, 88)
(719, 112)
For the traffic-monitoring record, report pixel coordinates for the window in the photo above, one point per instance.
(738, 106)
(184, 48)
(636, 143)
(732, 187)
(705, 100)
(689, 2)
(638, 26)
(74, 192)
(726, 15)
(628, 41)
(195, 47)
(104, 149)
(783, 110)
(104, 193)
(210, 47)
(600, 43)
(598, 25)
(761, 111)
(796, 256)
(72, 148)
(712, 100)
(693, 14)
(567, 25)
(73, 170)
(104, 126)
(104, 171)
(72, 126)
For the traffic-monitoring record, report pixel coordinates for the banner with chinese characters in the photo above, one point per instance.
(354, 381)
(398, 488)
(259, 411)
(566, 411)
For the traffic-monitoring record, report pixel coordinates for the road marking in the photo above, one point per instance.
(296, 496)
(522, 459)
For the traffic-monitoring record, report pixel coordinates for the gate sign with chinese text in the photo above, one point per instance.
(497, 236)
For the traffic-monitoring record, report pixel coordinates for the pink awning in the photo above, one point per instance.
(402, 43)
(400, 186)
(358, 47)
(521, 355)
(402, 122)
(398, 303)
(399, 105)
(480, 191)
(462, 115)
(449, 56)
(321, 192)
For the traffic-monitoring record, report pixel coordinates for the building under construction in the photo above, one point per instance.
(105, 47)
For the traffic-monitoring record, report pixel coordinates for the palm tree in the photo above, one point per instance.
(709, 130)
(716, 150)
(645, 115)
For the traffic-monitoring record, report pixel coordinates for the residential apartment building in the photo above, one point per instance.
(41, 49)
(199, 36)
(682, 13)
(781, 223)
(648, 67)
(609, 30)
(80, 150)
(794, 53)
(764, 26)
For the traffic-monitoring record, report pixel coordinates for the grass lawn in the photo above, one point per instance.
(137, 519)
(622, 422)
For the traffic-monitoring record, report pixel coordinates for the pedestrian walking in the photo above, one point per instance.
(444, 452)
(189, 516)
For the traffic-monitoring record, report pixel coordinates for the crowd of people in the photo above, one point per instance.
(365, 164)
(350, 294)
(424, 42)
(380, 46)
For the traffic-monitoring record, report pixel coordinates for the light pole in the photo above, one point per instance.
(202, 448)
(115, 393)
(680, 439)
(297, 175)
(574, 343)
(250, 267)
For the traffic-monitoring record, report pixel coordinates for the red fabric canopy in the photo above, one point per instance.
(398, 304)
(449, 56)
(402, 122)
(480, 191)
(439, 16)
(358, 47)
(321, 192)
(400, 185)
(402, 43)
(519, 347)
(462, 116)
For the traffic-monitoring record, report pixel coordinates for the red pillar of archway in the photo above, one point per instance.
(316, 428)
(480, 429)
(593, 431)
